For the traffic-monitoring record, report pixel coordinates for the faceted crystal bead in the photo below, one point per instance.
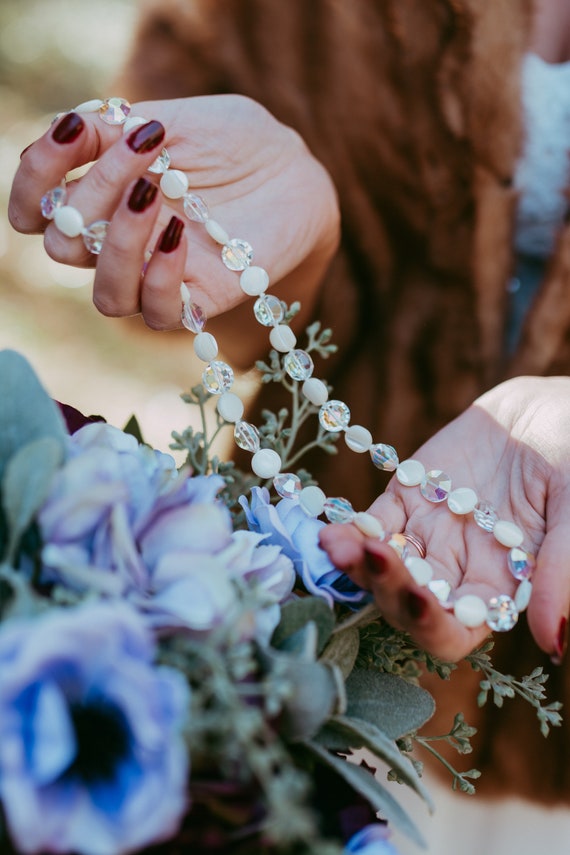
(53, 199)
(237, 254)
(195, 208)
(217, 377)
(193, 317)
(161, 163)
(435, 486)
(399, 544)
(384, 457)
(485, 515)
(247, 436)
(94, 236)
(268, 310)
(338, 510)
(298, 364)
(521, 563)
(502, 614)
(114, 111)
(334, 416)
(441, 589)
(287, 485)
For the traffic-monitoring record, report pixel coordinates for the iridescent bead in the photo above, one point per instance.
(268, 310)
(384, 457)
(246, 436)
(410, 472)
(94, 236)
(507, 533)
(52, 200)
(266, 463)
(462, 500)
(298, 364)
(420, 569)
(485, 515)
(161, 164)
(237, 254)
(193, 317)
(399, 544)
(521, 563)
(114, 111)
(338, 510)
(217, 377)
(435, 486)
(502, 614)
(195, 208)
(471, 611)
(334, 416)
(358, 438)
(287, 485)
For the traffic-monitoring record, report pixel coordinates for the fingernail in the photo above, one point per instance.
(171, 235)
(146, 137)
(415, 604)
(560, 643)
(24, 150)
(376, 564)
(68, 129)
(142, 195)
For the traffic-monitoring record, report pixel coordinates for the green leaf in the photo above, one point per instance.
(27, 479)
(342, 733)
(394, 705)
(27, 412)
(298, 613)
(342, 650)
(369, 788)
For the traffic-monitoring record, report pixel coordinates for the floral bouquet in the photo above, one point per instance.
(181, 671)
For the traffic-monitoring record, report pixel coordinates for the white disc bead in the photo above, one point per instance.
(507, 533)
(470, 610)
(421, 570)
(184, 293)
(266, 463)
(205, 346)
(410, 472)
(315, 391)
(216, 232)
(254, 281)
(92, 106)
(358, 438)
(462, 500)
(312, 500)
(522, 595)
(133, 122)
(282, 338)
(368, 524)
(230, 407)
(174, 184)
(69, 221)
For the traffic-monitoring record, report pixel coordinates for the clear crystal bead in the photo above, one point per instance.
(247, 436)
(298, 364)
(161, 164)
(52, 200)
(502, 614)
(485, 515)
(399, 544)
(440, 588)
(521, 563)
(287, 485)
(237, 254)
(217, 377)
(338, 510)
(193, 317)
(268, 310)
(115, 111)
(435, 485)
(94, 236)
(195, 208)
(334, 416)
(384, 457)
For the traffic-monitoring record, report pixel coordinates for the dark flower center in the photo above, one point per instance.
(103, 739)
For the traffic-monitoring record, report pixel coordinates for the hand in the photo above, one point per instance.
(512, 446)
(258, 178)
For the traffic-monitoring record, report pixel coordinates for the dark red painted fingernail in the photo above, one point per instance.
(415, 604)
(561, 642)
(24, 150)
(142, 195)
(68, 128)
(146, 137)
(171, 236)
(376, 564)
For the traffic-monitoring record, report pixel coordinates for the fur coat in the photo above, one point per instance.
(414, 107)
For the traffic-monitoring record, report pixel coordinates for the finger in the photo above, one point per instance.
(161, 302)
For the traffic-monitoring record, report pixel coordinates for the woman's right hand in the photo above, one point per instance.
(258, 178)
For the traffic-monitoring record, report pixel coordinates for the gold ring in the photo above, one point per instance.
(417, 542)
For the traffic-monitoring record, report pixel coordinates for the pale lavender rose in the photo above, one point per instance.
(91, 754)
(371, 840)
(286, 525)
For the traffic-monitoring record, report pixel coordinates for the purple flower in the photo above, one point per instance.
(371, 840)
(286, 525)
(91, 754)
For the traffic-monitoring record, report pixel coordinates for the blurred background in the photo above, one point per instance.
(54, 55)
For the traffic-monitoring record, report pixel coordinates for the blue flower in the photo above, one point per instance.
(91, 754)
(286, 525)
(371, 840)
